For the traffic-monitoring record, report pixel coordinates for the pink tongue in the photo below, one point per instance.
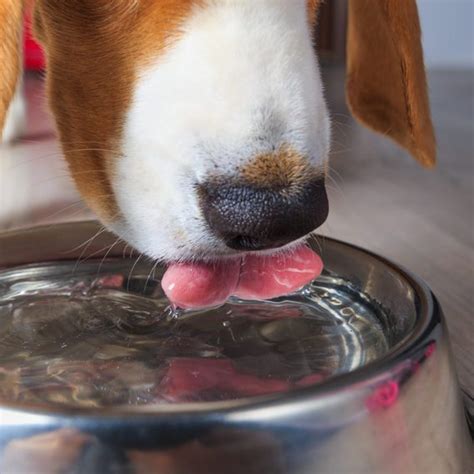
(200, 285)
(197, 285)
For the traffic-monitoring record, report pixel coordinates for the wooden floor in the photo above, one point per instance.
(380, 198)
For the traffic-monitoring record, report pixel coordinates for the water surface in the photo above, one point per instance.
(103, 337)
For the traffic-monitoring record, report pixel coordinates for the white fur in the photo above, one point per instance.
(15, 121)
(241, 80)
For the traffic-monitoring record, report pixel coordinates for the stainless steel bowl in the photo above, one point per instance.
(307, 384)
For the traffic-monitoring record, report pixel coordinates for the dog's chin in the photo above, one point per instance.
(178, 252)
(214, 251)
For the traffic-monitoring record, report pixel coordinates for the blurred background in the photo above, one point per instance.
(380, 198)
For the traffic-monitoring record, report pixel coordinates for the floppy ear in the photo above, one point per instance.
(11, 16)
(386, 81)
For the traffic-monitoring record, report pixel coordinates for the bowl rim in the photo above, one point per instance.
(428, 317)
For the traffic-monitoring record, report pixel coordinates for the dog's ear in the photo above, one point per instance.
(11, 19)
(386, 81)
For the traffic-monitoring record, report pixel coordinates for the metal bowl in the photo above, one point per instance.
(351, 375)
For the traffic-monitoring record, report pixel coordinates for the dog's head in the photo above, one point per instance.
(198, 128)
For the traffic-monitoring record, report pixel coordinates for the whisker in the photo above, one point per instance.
(107, 254)
(334, 171)
(64, 209)
(41, 157)
(323, 243)
(318, 244)
(131, 271)
(61, 154)
(84, 250)
(100, 231)
(89, 171)
(152, 271)
(125, 248)
(97, 252)
(335, 186)
(51, 179)
(87, 244)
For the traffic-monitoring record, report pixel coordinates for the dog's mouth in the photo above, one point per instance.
(254, 276)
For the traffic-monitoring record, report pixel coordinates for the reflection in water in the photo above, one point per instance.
(95, 338)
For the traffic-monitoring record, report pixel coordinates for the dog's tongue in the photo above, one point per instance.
(200, 285)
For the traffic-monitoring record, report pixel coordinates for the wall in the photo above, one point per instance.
(447, 27)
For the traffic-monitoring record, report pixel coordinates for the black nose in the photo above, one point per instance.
(252, 218)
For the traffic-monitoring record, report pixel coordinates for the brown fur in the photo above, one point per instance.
(11, 13)
(386, 82)
(283, 169)
(90, 91)
(313, 7)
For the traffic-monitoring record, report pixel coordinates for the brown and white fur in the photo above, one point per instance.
(154, 97)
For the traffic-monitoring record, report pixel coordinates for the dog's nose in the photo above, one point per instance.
(253, 218)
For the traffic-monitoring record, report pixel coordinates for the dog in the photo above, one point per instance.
(197, 129)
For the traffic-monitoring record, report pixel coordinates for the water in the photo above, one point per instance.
(104, 337)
